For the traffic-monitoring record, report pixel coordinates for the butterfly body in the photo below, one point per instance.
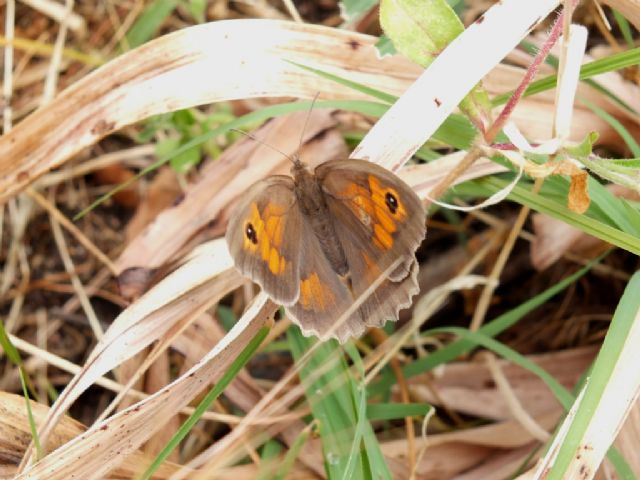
(313, 206)
(318, 241)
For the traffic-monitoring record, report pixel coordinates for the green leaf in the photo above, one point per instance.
(393, 411)
(185, 160)
(337, 402)
(150, 22)
(385, 47)
(420, 31)
(624, 318)
(584, 148)
(206, 402)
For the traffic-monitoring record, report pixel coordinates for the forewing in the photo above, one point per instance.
(264, 237)
(378, 217)
(380, 222)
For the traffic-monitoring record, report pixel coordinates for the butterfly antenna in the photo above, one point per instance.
(253, 137)
(306, 120)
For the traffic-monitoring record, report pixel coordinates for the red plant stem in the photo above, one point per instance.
(556, 30)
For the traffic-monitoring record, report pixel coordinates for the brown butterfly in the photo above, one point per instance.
(316, 241)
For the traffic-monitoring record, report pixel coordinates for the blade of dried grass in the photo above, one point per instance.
(493, 328)
(397, 135)
(201, 281)
(14, 429)
(105, 445)
(233, 370)
(167, 74)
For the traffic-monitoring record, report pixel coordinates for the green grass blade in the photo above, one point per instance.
(292, 455)
(626, 315)
(150, 22)
(14, 357)
(32, 421)
(624, 27)
(597, 221)
(8, 347)
(613, 62)
(490, 329)
(616, 125)
(270, 452)
(206, 402)
(394, 411)
(479, 339)
(336, 400)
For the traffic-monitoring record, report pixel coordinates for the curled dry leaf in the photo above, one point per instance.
(553, 238)
(579, 200)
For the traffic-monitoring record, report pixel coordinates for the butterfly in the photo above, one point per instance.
(318, 241)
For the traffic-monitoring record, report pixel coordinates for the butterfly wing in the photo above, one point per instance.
(264, 237)
(380, 222)
(324, 296)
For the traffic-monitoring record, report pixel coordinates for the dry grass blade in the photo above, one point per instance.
(207, 199)
(168, 74)
(106, 444)
(629, 8)
(14, 428)
(437, 92)
(188, 291)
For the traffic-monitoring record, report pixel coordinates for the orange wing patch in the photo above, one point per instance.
(389, 210)
(379, 207)
(265, 237)
(314, 295)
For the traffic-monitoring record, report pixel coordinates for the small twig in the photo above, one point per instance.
(7, 86)
(489, 288)
(19, 213)
(513, 402)
(75, 280)
(73, 230)
(556, 30)
(51, 82)
(59, 13)
(293, 11)
(96, 163)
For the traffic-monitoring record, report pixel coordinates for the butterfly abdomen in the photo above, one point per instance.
(314, 207)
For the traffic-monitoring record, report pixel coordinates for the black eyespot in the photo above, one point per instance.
(250, 232)
(392, 202)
